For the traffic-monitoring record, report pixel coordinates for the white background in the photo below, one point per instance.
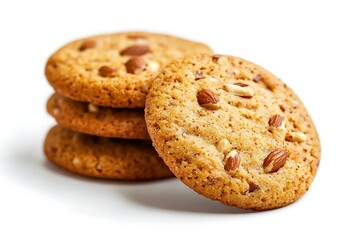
(312, 45)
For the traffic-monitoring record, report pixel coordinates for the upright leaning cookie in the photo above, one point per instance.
(232, 131)
(99, 121)
(115, 70)
(104, 157)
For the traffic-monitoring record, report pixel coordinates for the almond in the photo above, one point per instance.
(224, 145)
(276, 121)
(232, 161)
(257, 78)
(56, 111)
(295, 137)
(135, 50)
(241, 84)
(253, 187)
(108, 71)
(238, 90)
(92, 108)
(216, 57)
(135, 65)
(87, 44)
(208, 99)
(198, 75)
(220, 59)
(275, 160)
(153, 66)
(76, 161)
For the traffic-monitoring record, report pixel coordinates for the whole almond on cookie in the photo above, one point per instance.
(208, 99)
(275, 160)
(135, 65)
(135, 50)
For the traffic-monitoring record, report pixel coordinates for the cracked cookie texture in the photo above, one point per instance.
(232, 131)
(99, 121)
(115, 70)
(108, 158)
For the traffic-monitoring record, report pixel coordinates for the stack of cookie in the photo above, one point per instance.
(101, 84)
(226, 127)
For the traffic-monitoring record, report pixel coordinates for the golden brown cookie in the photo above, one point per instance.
(99, 121)
(115, 70)
(232, 131)
(109, 158)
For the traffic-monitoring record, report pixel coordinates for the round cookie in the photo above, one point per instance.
(108, 158)
(99, 121)
(232, 131)
(115, 70)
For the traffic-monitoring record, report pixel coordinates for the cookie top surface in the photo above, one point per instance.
(99, 121)
(115, 70)
(232, 131)
(104, 157)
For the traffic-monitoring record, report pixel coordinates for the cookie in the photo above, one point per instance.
(108, 158)
(232, 131)
(115, 70)
(99, 121)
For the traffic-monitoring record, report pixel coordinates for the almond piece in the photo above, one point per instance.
(220, 59)
(135, 65)
(198, 75)
(153, 66)
(135, 50)
(276, 121)
(92, 108)
(76, 162)
(208, 99)
(56, 111)
(253, 187)
(232, 161)
(87, 44)
(241, 84)
(237, 90)
(295, 137)
(224, 145)
(275, 160)
(257, 78)
(108, 71)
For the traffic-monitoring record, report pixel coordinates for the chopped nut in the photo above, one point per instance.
(87, 44)
(153, 66)
(135, 50)
(208, 99)
(295, 137)
(108, 71)
(275, 160)
(239, 90)
(135, 65)
(224, 145)
(257, 78)
(198, 75)
(213, 79)
(232, 161)
(92, 108)
(241, 84)
(253, 187)
(98, 167)
(76, 161)
(220, 59)
(276, 121)
(56, 111)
